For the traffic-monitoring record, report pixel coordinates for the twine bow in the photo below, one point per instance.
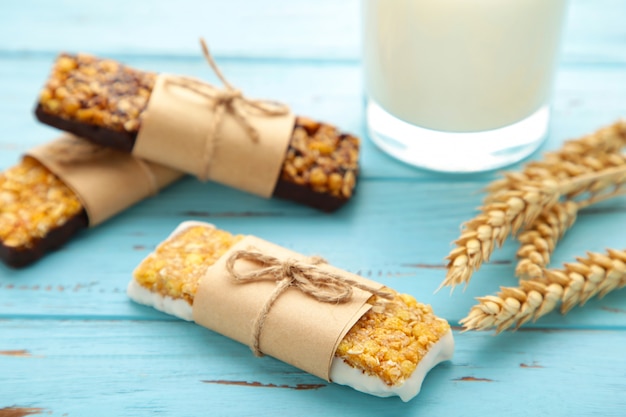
(308, 278)
(231, 100)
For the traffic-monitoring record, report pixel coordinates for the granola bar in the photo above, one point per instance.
(387, 352)
(38, 213)
(66, 185)
(105, 101)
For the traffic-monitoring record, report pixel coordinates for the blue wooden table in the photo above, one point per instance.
(71, 342)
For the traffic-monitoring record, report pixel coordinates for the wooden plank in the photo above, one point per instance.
(433, 205)
(585, 98)
(594, 32)
(88, 277)
(73, 344)
(239, 27)
(273, 28)
(130, 368)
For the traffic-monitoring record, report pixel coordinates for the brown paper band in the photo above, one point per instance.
(307, 277)
(215, 133)
(69, 151)
(152, 179)
(297, 328)
(80, 151)
(105, 181)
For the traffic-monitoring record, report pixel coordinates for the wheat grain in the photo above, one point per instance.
(539, 240)
(594, 152)
(509, 211)
(497, 220)
(556, 170)
(574, 284)
(607, 139)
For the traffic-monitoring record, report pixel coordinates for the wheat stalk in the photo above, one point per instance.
(594, 152)
(577, 282)
(501, 217)
(540, 238)
(509, 211)
(607, 139)
(557, 170)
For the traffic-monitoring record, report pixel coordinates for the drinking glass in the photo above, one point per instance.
(460, 85)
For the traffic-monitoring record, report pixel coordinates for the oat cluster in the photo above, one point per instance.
(100, 92)
(175, 268)
(322, 158)
(33, 202)
(388, 341)
(391, 339)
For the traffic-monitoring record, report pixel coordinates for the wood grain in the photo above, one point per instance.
(127, 364)
(73, 344)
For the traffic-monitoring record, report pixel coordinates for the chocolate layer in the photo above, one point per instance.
(290, 191)
(104, 101)
(22, 256)
(123, 141)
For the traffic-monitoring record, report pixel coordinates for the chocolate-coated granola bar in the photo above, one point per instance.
(105, 101)
(65, 185)
(38, 213)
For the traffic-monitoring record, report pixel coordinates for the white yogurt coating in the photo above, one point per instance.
(340, 372)
(344, 374)
(175, 307)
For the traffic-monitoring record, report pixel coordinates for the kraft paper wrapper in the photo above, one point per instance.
(298, 330)
(106, 183)
(176, 128)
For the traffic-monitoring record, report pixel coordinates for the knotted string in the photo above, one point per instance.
(229, 99)
(324, 286)
(71, 150)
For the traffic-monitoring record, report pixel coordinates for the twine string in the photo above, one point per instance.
(227, 100)
(307, 277)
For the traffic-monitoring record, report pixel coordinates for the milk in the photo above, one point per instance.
(461, 65)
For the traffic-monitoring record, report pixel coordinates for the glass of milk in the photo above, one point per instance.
(460, 85)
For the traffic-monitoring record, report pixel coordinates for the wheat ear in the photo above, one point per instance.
(511, 210)
(540, 238)
(594, 152)
(595, 274)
